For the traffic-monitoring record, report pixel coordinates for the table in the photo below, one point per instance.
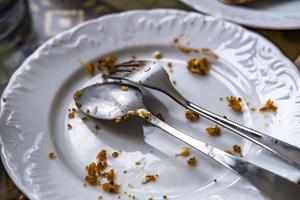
(49, 17)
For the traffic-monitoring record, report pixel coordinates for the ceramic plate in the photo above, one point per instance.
(34, 109)
(266, 14)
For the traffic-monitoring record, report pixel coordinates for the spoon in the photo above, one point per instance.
(115, 101)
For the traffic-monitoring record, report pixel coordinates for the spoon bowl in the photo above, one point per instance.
(108, 101)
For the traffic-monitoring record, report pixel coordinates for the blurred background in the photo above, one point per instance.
(25, 24)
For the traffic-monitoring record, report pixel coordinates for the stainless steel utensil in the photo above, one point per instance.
(109, 101)
(152, 75)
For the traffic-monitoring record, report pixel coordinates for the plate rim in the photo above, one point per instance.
(236, 19)
(23, 66)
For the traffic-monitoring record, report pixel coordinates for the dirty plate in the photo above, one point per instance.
(34, 109)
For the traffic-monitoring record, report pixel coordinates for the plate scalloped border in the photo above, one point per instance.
(284, 72)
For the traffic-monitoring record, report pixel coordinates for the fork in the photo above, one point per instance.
(151, 75)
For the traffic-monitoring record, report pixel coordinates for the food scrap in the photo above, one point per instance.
(51, 155)
(198, 66)
(184, 151)
(160, 116)
(124, 87)
(89, 68)
(228, 151)
(158, 55)
(235, 104)
(191, 116)
(149, 178)
(269, 106)
(114, 154)
(192, 161)
(170, 67)
(107, 63)
(96, 172)
(237, 148)
(78, 93)
(69, 126)
(213, 130)
(118, 120)
(71, 114)
(143, 113)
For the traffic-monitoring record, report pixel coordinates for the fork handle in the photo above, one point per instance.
(285, 151)
(271, 184)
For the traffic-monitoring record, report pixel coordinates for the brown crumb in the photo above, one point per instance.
(192, 116)
(248, 103)
(165, 197)
(176, 40)
(221, 98)
(84, 118)
(100, 197)
(269, 106)
(160, 116)
(69, 126)
(184, 151)
(114, 154)
(51, 155)
(124, 87)
(209, 52)
(174, 82)
(125, 172)
(149, 178)
(78, 104)
(198, 66)
(192, 161)
(235, 104)
(150, 198)
(253, 109)
(225, 117)
(101, 156)
(118, 120)
(213, 131)
(158, 55)
(97, 127)
(138, 163)
(78, 93)
(237, 148)
(107, 63)
(110, 187)
(71, 114)
(90, 69)
(170, 67)
(4, 100)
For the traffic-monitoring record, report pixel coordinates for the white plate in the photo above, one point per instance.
(265, 14)
(34, 120)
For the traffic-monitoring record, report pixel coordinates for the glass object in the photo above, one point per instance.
(14, 26)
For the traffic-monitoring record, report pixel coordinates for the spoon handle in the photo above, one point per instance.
(283, 150)
(271, 184)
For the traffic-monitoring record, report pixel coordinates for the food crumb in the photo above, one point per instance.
(213, 130)
(51, 155)
(84, 118)
(192, 161)
(225, 117)
(125, 172)
(235, 104)
(97, 127)
(165, 197)
(158, 55)
(89, 68)
(78, 93)
(114, 154)
(160, 116)
(174, 82)
(170, 67)
(107, 63)
(198, 66)
(149, 178)
(100, 198)
(237, 148)
(215, 180)
(138, 163)
(71, 114)
(124, 87)
(78, 104)
(269, 106)
(191, 116)
(69, 126)
(118, 120)
(209, 52)
(253, 109)
(184, 151)
(221, 98)
(248, 103)
(4, 100)
(110, 187)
